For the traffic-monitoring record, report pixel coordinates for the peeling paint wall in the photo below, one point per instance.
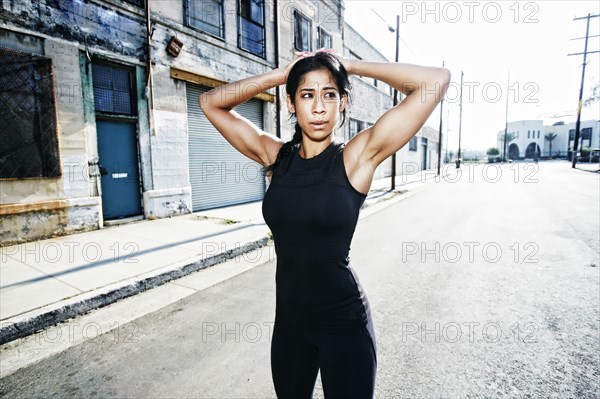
(62, 29)
(80, 21)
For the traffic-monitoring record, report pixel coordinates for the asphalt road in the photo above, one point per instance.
(483, 285)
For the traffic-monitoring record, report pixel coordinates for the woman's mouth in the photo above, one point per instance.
(318, 124)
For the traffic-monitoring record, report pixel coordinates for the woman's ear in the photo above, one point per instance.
(343, 102)
(290, 104)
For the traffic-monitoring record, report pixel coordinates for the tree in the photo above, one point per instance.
(509, 137)
(550, 137)
(493, 151)
(595, 96)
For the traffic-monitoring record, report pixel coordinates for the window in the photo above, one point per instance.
(28, 142)
(206, 15)
(538, 136)
(353, 55)
(139, 3)
(355, 127)
(302, 32)
(112, 89)
(324, 39)
(412, 144)
(424, 140)
(528, 133)
(251, 27)
(372, 81)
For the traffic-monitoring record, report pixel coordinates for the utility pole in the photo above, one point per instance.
(579, 104)
(395, 101)
(446, 159)
(439, 162)
(395, 95)
(460, 120)
(506, 118)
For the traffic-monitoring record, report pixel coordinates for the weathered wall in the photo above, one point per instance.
(205, 56)
(37, 208)
(64, 204)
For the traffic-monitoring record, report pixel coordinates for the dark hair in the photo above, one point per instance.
(321, 60)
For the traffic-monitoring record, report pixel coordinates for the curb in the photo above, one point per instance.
(52, 317)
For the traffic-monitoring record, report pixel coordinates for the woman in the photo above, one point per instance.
(317, 186)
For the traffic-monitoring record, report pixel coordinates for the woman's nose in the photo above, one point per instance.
(318, 106)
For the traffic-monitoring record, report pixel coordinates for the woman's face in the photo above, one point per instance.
(317, 104)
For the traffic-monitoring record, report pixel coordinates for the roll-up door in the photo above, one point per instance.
(219, 174)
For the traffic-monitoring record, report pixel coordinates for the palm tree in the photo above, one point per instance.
(509, 137)
(550, 137)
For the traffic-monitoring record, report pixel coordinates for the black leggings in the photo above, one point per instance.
(348, 362)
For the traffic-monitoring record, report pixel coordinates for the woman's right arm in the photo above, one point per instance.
(218, 106)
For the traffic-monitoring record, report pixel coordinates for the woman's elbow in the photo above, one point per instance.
(203, 100)
(442, 81)
(444, 76)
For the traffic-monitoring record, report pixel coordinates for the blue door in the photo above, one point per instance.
(119, 175)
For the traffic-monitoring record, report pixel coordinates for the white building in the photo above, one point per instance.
(531, 135)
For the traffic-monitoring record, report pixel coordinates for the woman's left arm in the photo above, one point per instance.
(424, 88)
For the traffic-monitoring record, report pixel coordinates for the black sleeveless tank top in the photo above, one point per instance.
(312, 211)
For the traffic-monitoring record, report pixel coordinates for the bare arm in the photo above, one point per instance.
(424, 88)
(218, 106)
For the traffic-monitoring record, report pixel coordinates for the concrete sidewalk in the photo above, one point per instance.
(46, 282)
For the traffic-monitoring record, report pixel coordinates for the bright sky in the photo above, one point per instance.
(485, 40)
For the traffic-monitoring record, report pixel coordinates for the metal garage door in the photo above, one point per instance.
(219, 174)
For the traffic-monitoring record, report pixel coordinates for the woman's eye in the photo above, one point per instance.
(306, 95)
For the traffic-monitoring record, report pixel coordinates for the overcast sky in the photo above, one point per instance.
(485, 40)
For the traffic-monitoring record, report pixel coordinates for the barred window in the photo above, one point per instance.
(251, 28)
(206, 15)
(112, 89)
(302, 32)
(28, 139)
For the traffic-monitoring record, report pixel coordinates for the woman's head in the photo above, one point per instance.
(318, 88)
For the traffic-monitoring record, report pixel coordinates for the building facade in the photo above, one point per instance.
(100, 117)
(549, 141)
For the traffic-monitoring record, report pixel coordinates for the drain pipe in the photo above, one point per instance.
(277, 90)
(150, 92)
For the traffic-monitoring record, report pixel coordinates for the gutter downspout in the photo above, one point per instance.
(150, 91)
(277, 90)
